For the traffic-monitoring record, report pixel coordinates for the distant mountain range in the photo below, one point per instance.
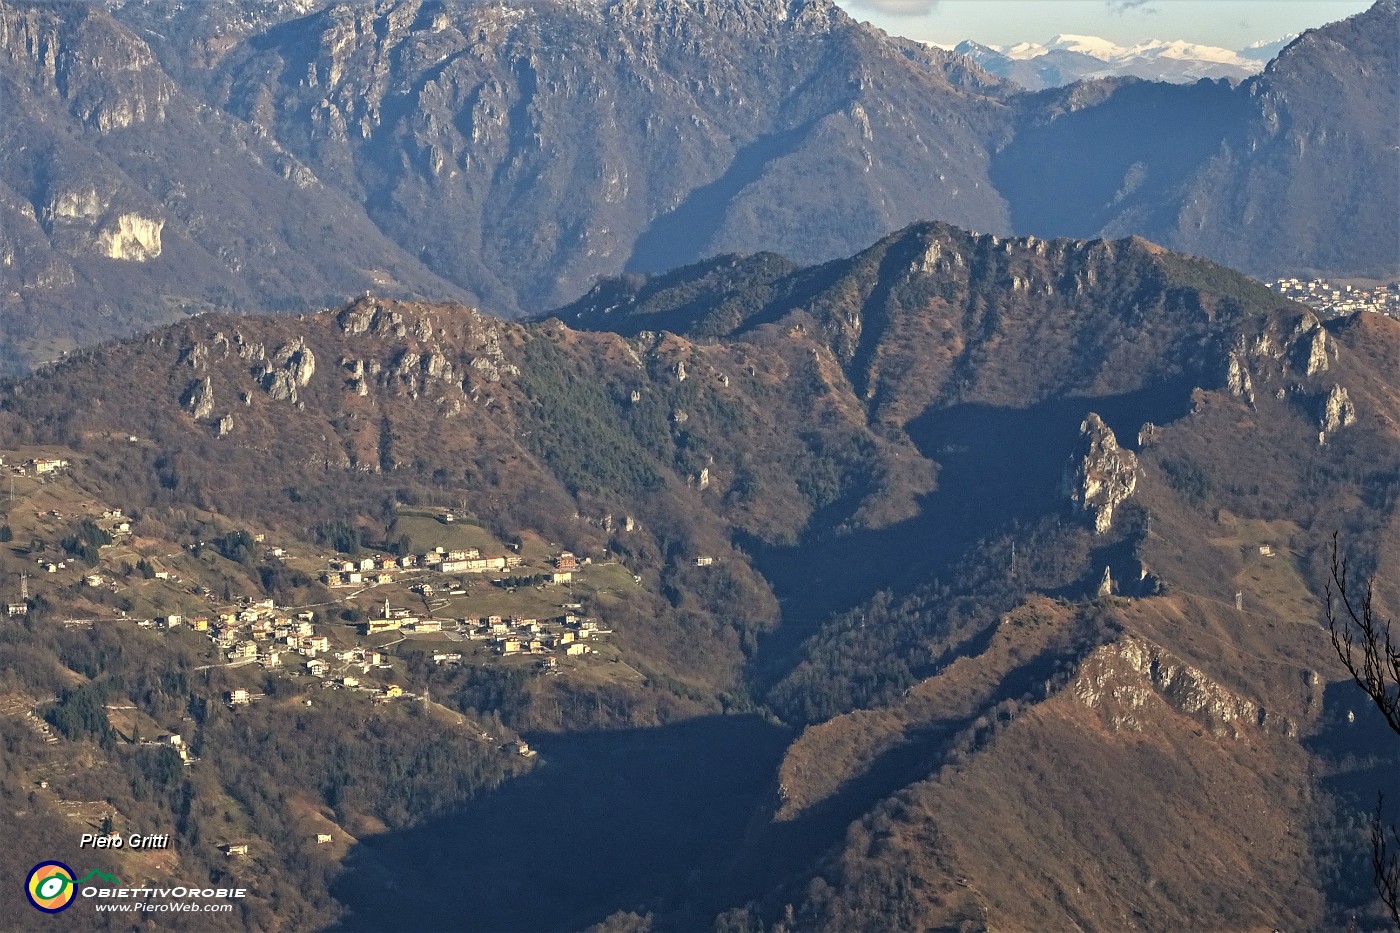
(295, 154)
(1066, 59)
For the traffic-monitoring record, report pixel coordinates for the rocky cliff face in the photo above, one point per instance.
(1101, 475)
(1337, 412)
(85, 221)
(1287, 356)
(49, 50)
(199, 399)
(524, 151)
(131, 237)
(108, 159)
(1121, 680)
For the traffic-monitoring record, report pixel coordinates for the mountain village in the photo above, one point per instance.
(359, 640)
(1340, 300)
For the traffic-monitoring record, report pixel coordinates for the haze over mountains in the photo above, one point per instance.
(509, 156)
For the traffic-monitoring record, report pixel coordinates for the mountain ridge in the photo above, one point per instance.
(427, 139)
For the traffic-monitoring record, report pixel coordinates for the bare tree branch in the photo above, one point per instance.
(1385, 861)
(1363, 643)
(1365, 647)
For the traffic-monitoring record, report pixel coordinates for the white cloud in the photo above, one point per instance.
(897, 7)
(1131, 6)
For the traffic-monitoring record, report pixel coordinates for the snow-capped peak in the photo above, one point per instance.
(1069, 57)
(1107, 51)
(1186, 51)
(1084, 45)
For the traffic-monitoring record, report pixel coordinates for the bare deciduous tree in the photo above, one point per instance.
(1385, 862)
(1365, 645)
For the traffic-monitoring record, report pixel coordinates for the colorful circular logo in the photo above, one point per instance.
(50, 887)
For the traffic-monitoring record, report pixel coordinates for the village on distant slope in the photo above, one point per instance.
(77, 562)
(1341, 300)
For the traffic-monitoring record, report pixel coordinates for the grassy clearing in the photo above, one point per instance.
(426, 532)
(1271, 582)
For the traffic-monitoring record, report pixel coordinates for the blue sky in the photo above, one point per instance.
(1230, 24)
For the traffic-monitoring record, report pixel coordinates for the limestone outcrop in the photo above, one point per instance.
(1101, 475)
(1338, 412)
(1125, 679)
(199, 398)
(1237, 378)
(130, 237)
